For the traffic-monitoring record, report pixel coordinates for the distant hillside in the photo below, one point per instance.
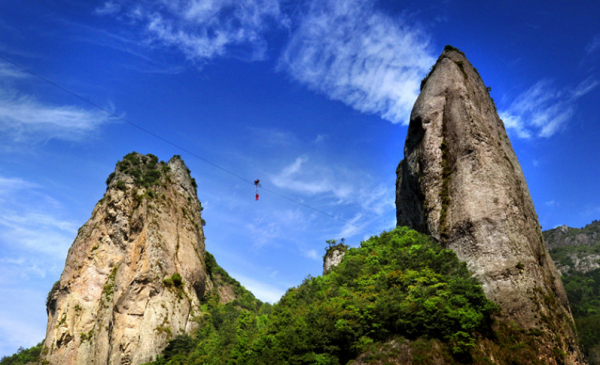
(575, 249)
(576, 252)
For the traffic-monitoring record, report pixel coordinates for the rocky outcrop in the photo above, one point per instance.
(135, 274)
(575, 249)
(461, 183)
(332, 259)
(564, 236)
(580, 262)
(334, 254)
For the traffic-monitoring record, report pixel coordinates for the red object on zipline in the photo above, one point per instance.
(257, 184)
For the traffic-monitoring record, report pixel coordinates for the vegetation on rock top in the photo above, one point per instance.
(145, 170)
(334, 245)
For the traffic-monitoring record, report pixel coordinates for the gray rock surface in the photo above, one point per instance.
(578, 262)
(461, 183)
(116, 301)
(332, 259)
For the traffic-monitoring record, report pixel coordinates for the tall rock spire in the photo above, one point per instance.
(135, 274)
(461, 183)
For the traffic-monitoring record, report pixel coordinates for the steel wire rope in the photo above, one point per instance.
(178, 146)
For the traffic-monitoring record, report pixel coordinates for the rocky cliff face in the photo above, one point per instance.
(135, 273)
(461, 183)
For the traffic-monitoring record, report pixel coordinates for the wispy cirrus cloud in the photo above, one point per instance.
(310, 179)
(9, 72)
(203, 29)
(370, 201)
(543, 109)
(31, 222)
(24, 118)
(351, 52)
(594, 44)
(37, 233)
(313, 178)
(10, 185)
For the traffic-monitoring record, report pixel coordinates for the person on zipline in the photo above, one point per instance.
(257, 184)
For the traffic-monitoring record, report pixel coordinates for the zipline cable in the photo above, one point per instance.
(176, 145)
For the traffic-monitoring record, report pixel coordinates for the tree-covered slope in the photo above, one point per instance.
(576, 252)
(397, 290)
(399, 297)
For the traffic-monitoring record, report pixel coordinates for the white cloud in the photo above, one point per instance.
(8, 72)
(9, 185)
(24, 118)
(261, 290)
(31, 225)
(594, 44)
(16, 269)
(36, 233)
(353, 226)
(312, 254)
(268, 228)
(350, 52)
(203, 29)
(320, 138)
(337, 188)
(543, 110)
(312, 178)
(109, 7)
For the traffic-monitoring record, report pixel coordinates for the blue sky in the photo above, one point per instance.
(312, 97)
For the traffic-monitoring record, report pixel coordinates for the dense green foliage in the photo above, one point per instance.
(583, 289)
(584, 296)
(146, 170)
(23, 356)
(398, 284)
(220, 277)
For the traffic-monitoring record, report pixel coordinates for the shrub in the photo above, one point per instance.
(121, 185)
(174, 281)
(110, 178)
(177, 280)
